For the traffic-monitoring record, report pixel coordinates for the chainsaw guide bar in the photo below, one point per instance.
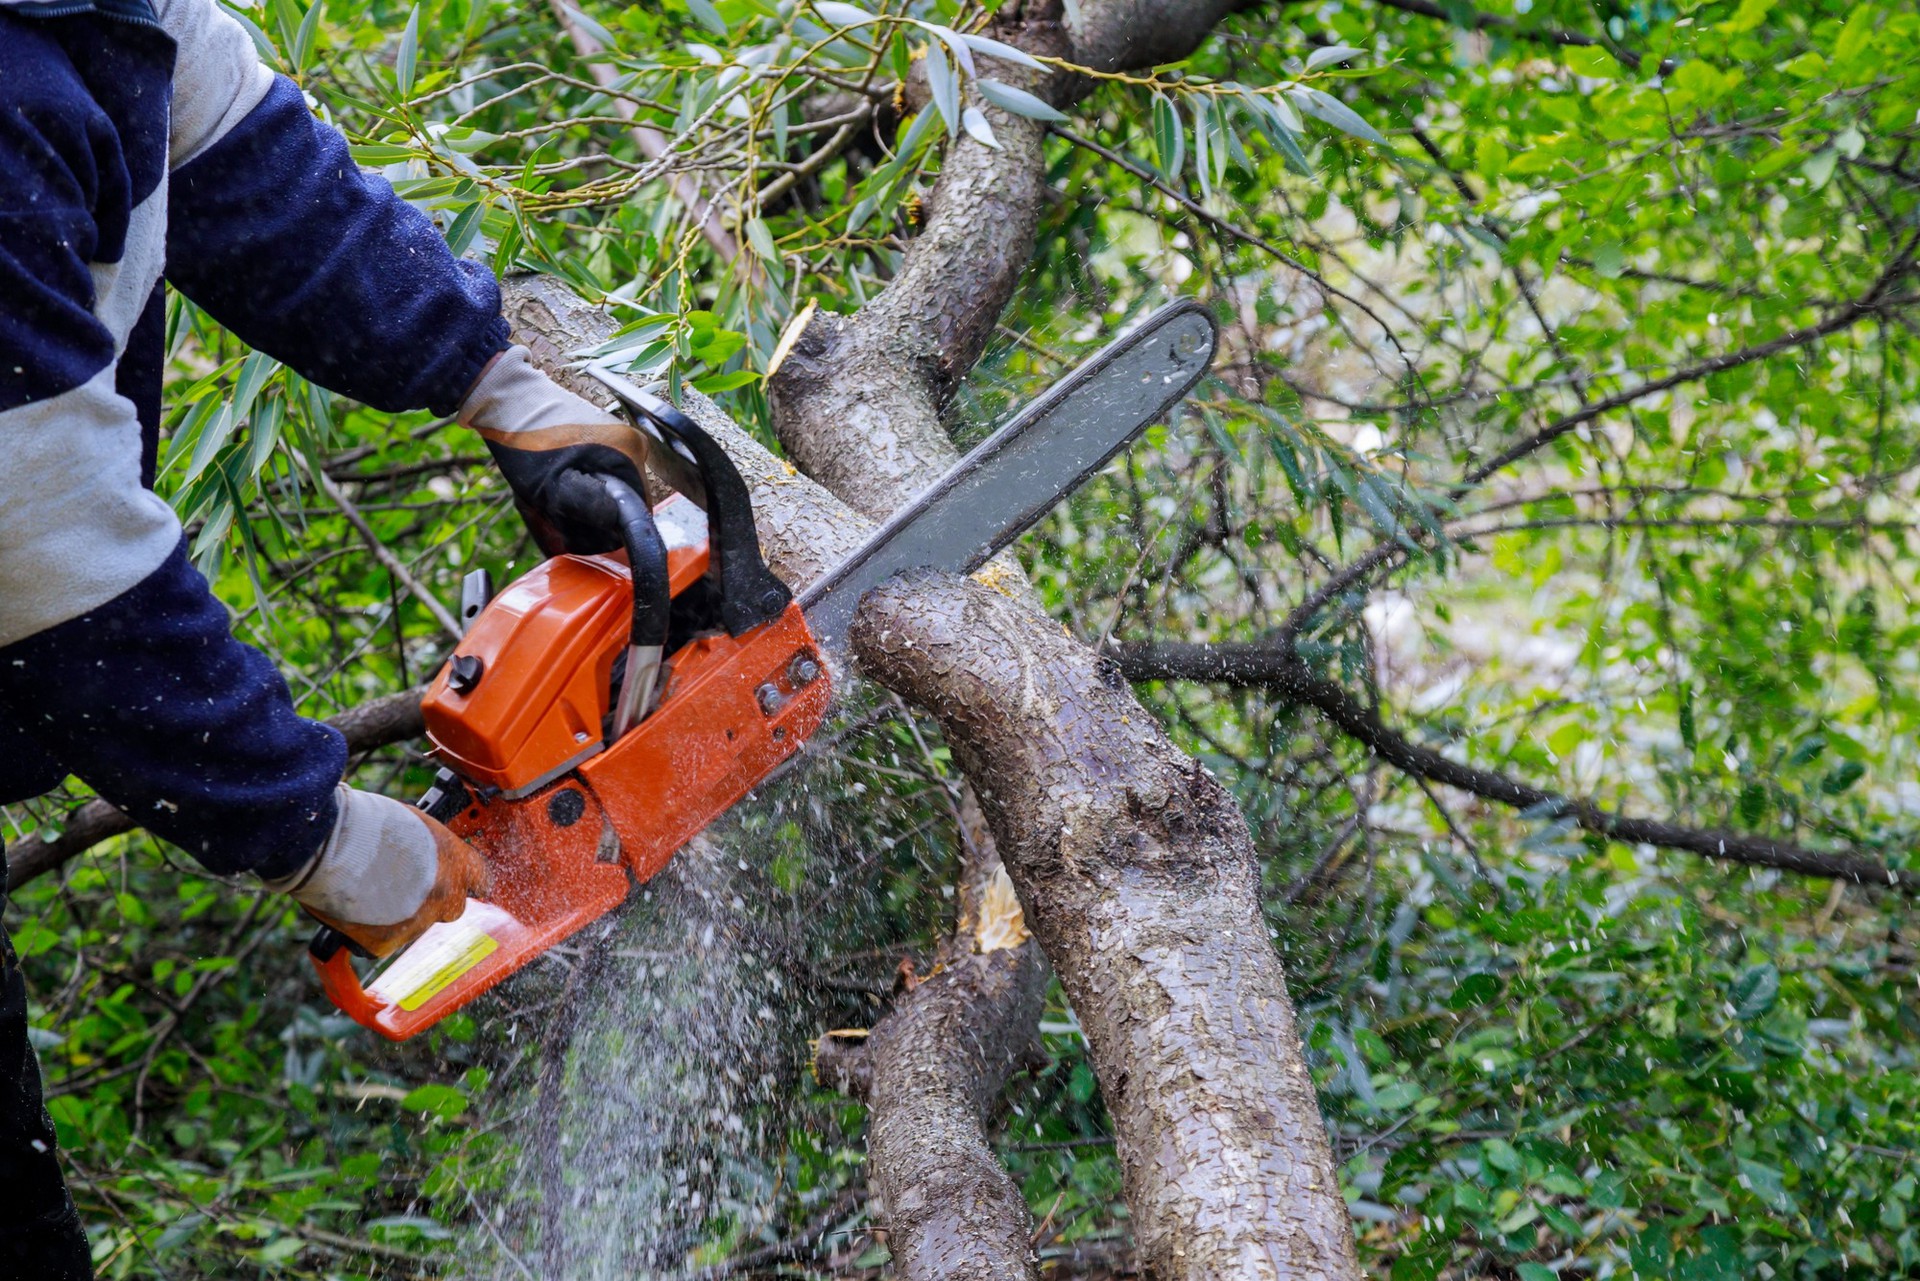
(602, 711)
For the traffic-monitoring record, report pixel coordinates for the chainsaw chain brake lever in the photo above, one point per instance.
(750, 593)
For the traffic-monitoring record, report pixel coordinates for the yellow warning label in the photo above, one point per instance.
(472, 952)
(446, 951)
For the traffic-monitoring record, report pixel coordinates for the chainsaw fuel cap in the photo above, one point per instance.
(465, 672)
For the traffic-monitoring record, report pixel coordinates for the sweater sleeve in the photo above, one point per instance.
(151, 700)
(274, 230)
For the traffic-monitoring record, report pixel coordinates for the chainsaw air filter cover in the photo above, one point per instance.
(526, 695)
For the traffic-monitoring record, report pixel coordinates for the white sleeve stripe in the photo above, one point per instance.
(217, 76)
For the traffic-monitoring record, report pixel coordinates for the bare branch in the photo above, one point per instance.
(1278, 670)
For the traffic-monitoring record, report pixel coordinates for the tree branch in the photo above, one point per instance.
(652, 143)
(1277, 670)
(1872, 303)
(1138, 877)
(1507, 26)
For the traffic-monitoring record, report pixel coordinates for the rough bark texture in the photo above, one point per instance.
(1138, 876)
(1227, 1165)
(931, 1071)
(937, 1063)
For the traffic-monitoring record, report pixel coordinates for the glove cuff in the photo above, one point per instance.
(514, 396)
(375, 869)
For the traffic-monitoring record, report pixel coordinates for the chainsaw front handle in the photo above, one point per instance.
(750, 593)
(332, 954)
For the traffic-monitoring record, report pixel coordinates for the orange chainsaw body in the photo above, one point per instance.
(569, 824)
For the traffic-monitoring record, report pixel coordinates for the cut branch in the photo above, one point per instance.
(1277, 670)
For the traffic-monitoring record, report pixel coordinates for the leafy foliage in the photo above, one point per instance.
(1595, 356)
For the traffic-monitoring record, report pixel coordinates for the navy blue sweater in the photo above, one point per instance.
(142, 139)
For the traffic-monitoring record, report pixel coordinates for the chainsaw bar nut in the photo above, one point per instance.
(769, 698)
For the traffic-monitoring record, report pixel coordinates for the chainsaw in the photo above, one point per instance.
(601, 711)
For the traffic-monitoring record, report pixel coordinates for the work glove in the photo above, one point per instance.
(386, 873)
(553, 448)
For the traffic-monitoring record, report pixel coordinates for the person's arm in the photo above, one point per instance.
(275, 232)
(279, 236)
(116, 662)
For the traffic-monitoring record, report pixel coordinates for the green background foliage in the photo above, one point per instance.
(1541, 1054)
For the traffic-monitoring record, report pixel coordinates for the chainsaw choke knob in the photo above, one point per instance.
(464, 673)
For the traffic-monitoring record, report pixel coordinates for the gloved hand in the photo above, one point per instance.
(553, 447)
(386, 873)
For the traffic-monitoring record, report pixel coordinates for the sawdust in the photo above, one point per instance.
(1002, 925)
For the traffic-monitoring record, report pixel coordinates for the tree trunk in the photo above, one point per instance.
(1139, 877)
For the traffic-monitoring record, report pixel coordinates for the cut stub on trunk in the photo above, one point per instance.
(1138, 879)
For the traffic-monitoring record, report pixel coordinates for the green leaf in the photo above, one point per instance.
(762, 240)
(302, 52)
(587, 23)
(1856, 36)
(1279, 125)
(1005, 52)
(714, 384)
(1591, 61)
(434, 1099)
(962, 56)
(1767, 1183)
(1749, 15)
(1169, 138)
(977, 128)
(404, 62)
(1754, 992)
(1475, 989)
(1536, 1272)
(1501, 1155)
(838, 14)
(707, 16)
(1331, 54)
(375, 154)
(944, 88)
(1819, 167)
(1017, 102)
(1330, 110)
(1841, 777)
(1203, 159)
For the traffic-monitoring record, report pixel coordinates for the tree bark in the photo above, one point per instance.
(1140, 880)
(858, 404)
(930, 1072)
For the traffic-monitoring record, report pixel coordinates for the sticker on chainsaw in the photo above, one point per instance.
(441, 955)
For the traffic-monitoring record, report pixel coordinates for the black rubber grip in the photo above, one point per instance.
(750, 593)
(327, 942)
(647, 558)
